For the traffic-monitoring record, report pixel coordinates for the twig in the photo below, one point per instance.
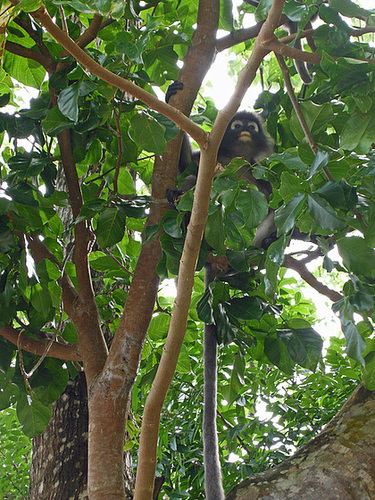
(307, 276)
(117, 261)
(297, 109)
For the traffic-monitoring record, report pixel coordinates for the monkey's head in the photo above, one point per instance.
(245, 137)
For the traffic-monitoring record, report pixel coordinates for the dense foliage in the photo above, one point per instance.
(322, 192)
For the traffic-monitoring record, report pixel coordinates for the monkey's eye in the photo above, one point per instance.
(253, 126)
(237, 125)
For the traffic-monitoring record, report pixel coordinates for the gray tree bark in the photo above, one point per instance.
(338, 464)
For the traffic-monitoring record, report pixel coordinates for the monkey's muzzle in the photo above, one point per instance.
(245, 136)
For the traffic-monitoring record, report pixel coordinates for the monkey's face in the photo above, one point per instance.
(244, 137)
(244, 130)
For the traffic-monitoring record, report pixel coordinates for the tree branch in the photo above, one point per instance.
(38, 347)
(47, 62)
(307, 276)
(196, 132)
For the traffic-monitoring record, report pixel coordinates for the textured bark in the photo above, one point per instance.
(59, 464)
(339, 464)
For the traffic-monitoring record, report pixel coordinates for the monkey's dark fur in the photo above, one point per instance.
(244, 137)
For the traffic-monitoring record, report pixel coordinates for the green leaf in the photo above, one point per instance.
(304, 346)
(253, 204)
(24, 70)
(110, 227)
(215, 234)
(183, 363)
(159, 325)
(349, 9)
(148, 133)
(55, 122)
(33, 416)
(204, 307)
(246, 308)
(68, 101)
(355, 345)
(275, 252)
(317, 118)
(368, 371)
(339, 195)
(237, 377)
(226, 15)
(277, 352)
(358, 134)
(320, 161)
(357, 256)
(286, 215)
(323, 214)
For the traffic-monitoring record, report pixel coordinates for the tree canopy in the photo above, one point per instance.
(87, 237)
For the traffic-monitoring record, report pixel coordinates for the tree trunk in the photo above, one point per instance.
(339, 464)
(59, 464)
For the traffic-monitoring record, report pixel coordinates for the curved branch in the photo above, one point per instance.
(24, 22)
(238, 36)
(38, 347)
(47, 62)
(196, 132)
(88, 35)
(307, 276)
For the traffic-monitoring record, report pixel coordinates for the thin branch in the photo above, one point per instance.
(17, 49)
(34, 346)
(309, 278)
(117, 261)
(296, 106)
(196, 132)
(24, 22)
(89, 34)
(278, 47)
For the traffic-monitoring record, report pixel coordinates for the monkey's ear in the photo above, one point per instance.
(172, 89)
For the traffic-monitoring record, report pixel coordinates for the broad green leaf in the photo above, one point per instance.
(55, 122)
(357, 256)
(275, 252)
(67, 101)
(237, 380)
(355, 345)
(277, 352)
(148, 133)
(339, 195)
(24, 70)
(286, 215)
(323, 214)
(358, 133)
(33, 416)
(204, 307)
(349, 9)
(159, 325)
(246, 308)
(226, 15)
(214, 234)
(225, 331)
(317, 118)
(110, 227)
(183, 363)
(304, 346)
(320, 161)
(253, 205)
(368, 371)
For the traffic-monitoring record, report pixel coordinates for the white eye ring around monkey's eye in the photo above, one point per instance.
(237, 124)
(253, 126)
